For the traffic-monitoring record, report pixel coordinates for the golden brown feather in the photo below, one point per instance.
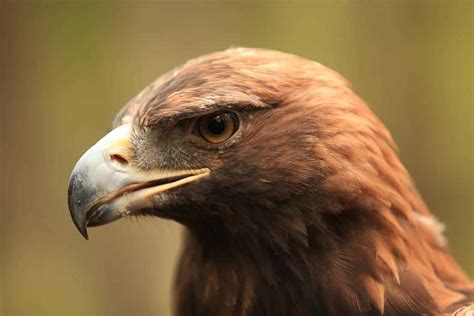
(385, 257)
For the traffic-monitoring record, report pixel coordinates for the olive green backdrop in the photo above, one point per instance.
(67, 67)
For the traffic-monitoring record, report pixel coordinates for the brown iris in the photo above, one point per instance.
(217, 128)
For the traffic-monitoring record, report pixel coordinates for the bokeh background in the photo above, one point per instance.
(67, 67)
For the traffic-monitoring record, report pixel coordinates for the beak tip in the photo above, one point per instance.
(77, 201)
(81, 225)
(84, 233)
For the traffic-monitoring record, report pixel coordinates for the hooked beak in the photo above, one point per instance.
(106, 185)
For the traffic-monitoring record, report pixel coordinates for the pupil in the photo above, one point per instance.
(217, 125)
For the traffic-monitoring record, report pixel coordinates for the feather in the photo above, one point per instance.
(309, 211)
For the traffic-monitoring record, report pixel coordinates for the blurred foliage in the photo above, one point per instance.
(67, 67)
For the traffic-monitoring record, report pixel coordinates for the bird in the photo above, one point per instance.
(290, 189)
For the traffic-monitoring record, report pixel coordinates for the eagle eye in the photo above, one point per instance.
(217, 127)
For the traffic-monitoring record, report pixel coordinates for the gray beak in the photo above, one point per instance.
(106, 185)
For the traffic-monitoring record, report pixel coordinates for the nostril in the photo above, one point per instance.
(118, 159)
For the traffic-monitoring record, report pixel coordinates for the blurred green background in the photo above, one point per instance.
(67, 67)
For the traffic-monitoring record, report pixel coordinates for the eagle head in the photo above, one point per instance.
(293, 196)
(229, 138)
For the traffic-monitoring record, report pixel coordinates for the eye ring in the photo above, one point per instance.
(218, 127)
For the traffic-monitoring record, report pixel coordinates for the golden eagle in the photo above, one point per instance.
(290, 189)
